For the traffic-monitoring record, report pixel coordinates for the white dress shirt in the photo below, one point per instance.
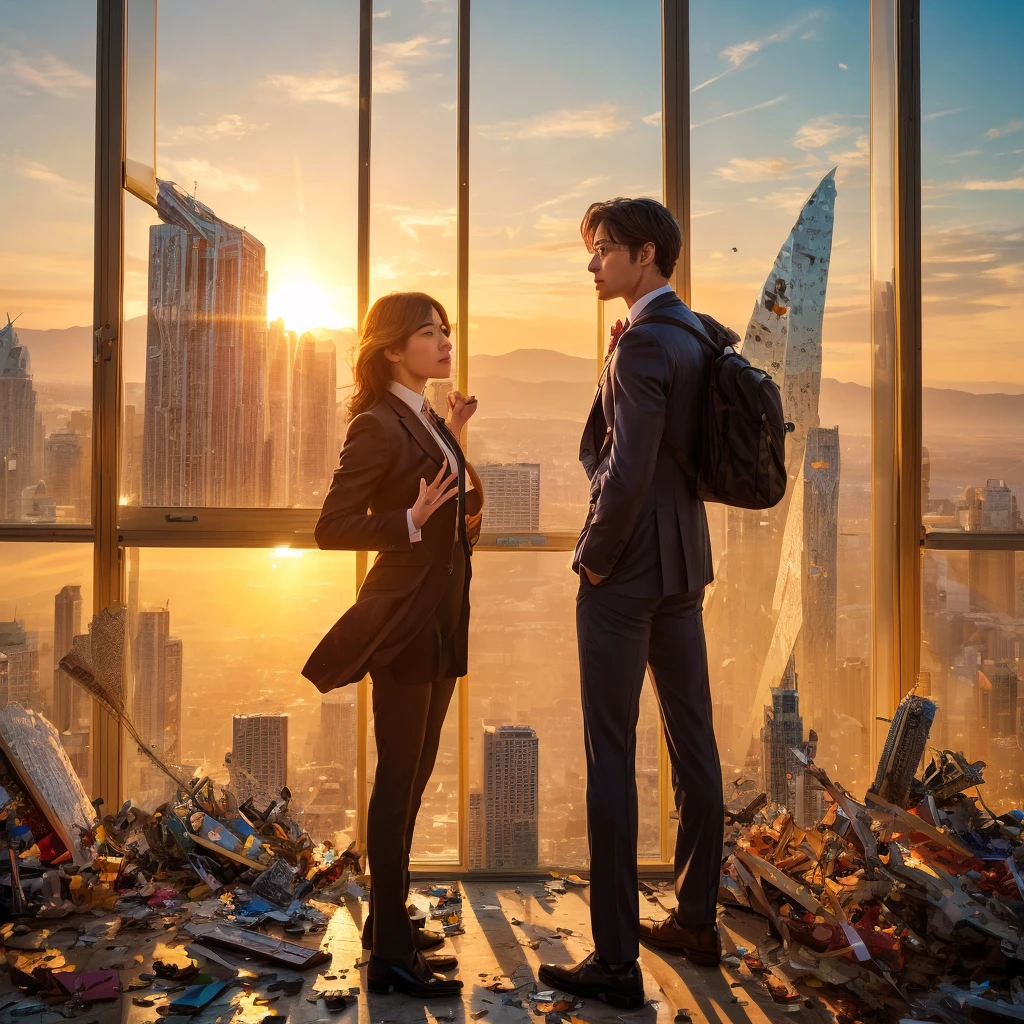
(416, 402)
(641, 304)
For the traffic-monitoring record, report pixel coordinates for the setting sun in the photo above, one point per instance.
(304, 304)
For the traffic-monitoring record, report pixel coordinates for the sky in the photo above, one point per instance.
(259, 115)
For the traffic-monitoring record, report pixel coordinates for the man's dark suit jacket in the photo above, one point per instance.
(387, 450)
(646, 528)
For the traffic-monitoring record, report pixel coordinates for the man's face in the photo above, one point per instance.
(614, 274)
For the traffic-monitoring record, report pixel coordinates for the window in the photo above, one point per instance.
(45, 611)
(47, 107)
(779, 143)
(972, 218)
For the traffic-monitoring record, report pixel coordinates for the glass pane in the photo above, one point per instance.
(240, 284)
(970, 659)
(972, 226)
(47, 603)
(526, 723)
(47, 108)
(779, 141)
(541, 153)
(218, 642)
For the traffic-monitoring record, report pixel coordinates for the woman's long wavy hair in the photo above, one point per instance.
(391, 321)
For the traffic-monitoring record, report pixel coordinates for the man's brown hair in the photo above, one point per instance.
(634, 222)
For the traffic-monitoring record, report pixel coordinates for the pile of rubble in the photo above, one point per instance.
(912, 897)
(217, 873)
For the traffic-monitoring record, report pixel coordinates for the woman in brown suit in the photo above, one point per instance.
(401, 489)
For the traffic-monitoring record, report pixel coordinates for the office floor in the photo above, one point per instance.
(493, 947)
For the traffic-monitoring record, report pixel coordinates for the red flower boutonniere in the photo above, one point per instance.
(618, 330)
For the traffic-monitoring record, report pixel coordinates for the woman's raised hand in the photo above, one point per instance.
(444, 486)
(460, 409)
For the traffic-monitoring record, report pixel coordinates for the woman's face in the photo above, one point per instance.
(428, 353)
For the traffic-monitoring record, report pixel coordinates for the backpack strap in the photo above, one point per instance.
(660, 318)
(682, 459)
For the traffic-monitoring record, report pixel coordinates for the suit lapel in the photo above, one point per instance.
(415, 426)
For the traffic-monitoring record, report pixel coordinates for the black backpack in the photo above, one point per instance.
(743, 436)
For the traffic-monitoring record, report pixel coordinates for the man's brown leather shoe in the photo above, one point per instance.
(700, 944)
(619, 985)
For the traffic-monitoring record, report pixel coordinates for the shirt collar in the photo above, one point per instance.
(641, 304)
(413, 399)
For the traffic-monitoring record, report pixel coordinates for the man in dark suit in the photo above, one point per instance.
(644, 558)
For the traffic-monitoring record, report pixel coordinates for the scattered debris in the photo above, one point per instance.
(916, 889)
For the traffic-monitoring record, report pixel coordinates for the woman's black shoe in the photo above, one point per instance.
(619, 985)
(417, 980)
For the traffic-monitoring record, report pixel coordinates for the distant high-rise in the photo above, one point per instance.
(18, 442)
(156, 705)
(64, 466)
(70, 704)
(259, 754)
(281, 346)
(133, 446)
(820, 590)
(476, 829)
(204, 430)
(997, 698)
(992, 582)
(783, 732)
(510, 790)
(22, 650)
(904, 747)
(512, 497)
(314, 440)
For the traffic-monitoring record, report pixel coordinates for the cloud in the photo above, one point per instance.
(419, 46)
(821, 131)
(960, 156)
(1004, 129)
(981, 270)
(210, 178)
(943, 113)
(586, 186)
(791, 199)
(340, 90)
(765, 168)
(856, 157)
(228, 126)
(319, 87)
(738, 54)
(36, 171)
(652, 119)
(409, 220)
(598, 122)
(45, 72)
(381, 14)
(737, 113)
(989, 185)
(844, 67)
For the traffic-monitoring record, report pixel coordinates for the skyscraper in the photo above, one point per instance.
(511, 781)
(69, 705)
(314, 436)
(281, 346)
(997, 698)
(156, 704)
(476, 829)
(759, 579)
(821, 547)
(18, 446)
(204, 428)
(64, 467)
(259, 754)
(22, 650)
(992, 582)
(512, 497)
(782, 732)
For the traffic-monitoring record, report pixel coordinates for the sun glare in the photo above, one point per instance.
(303, 305)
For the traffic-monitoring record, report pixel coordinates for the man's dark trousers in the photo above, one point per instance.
(619, 635)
